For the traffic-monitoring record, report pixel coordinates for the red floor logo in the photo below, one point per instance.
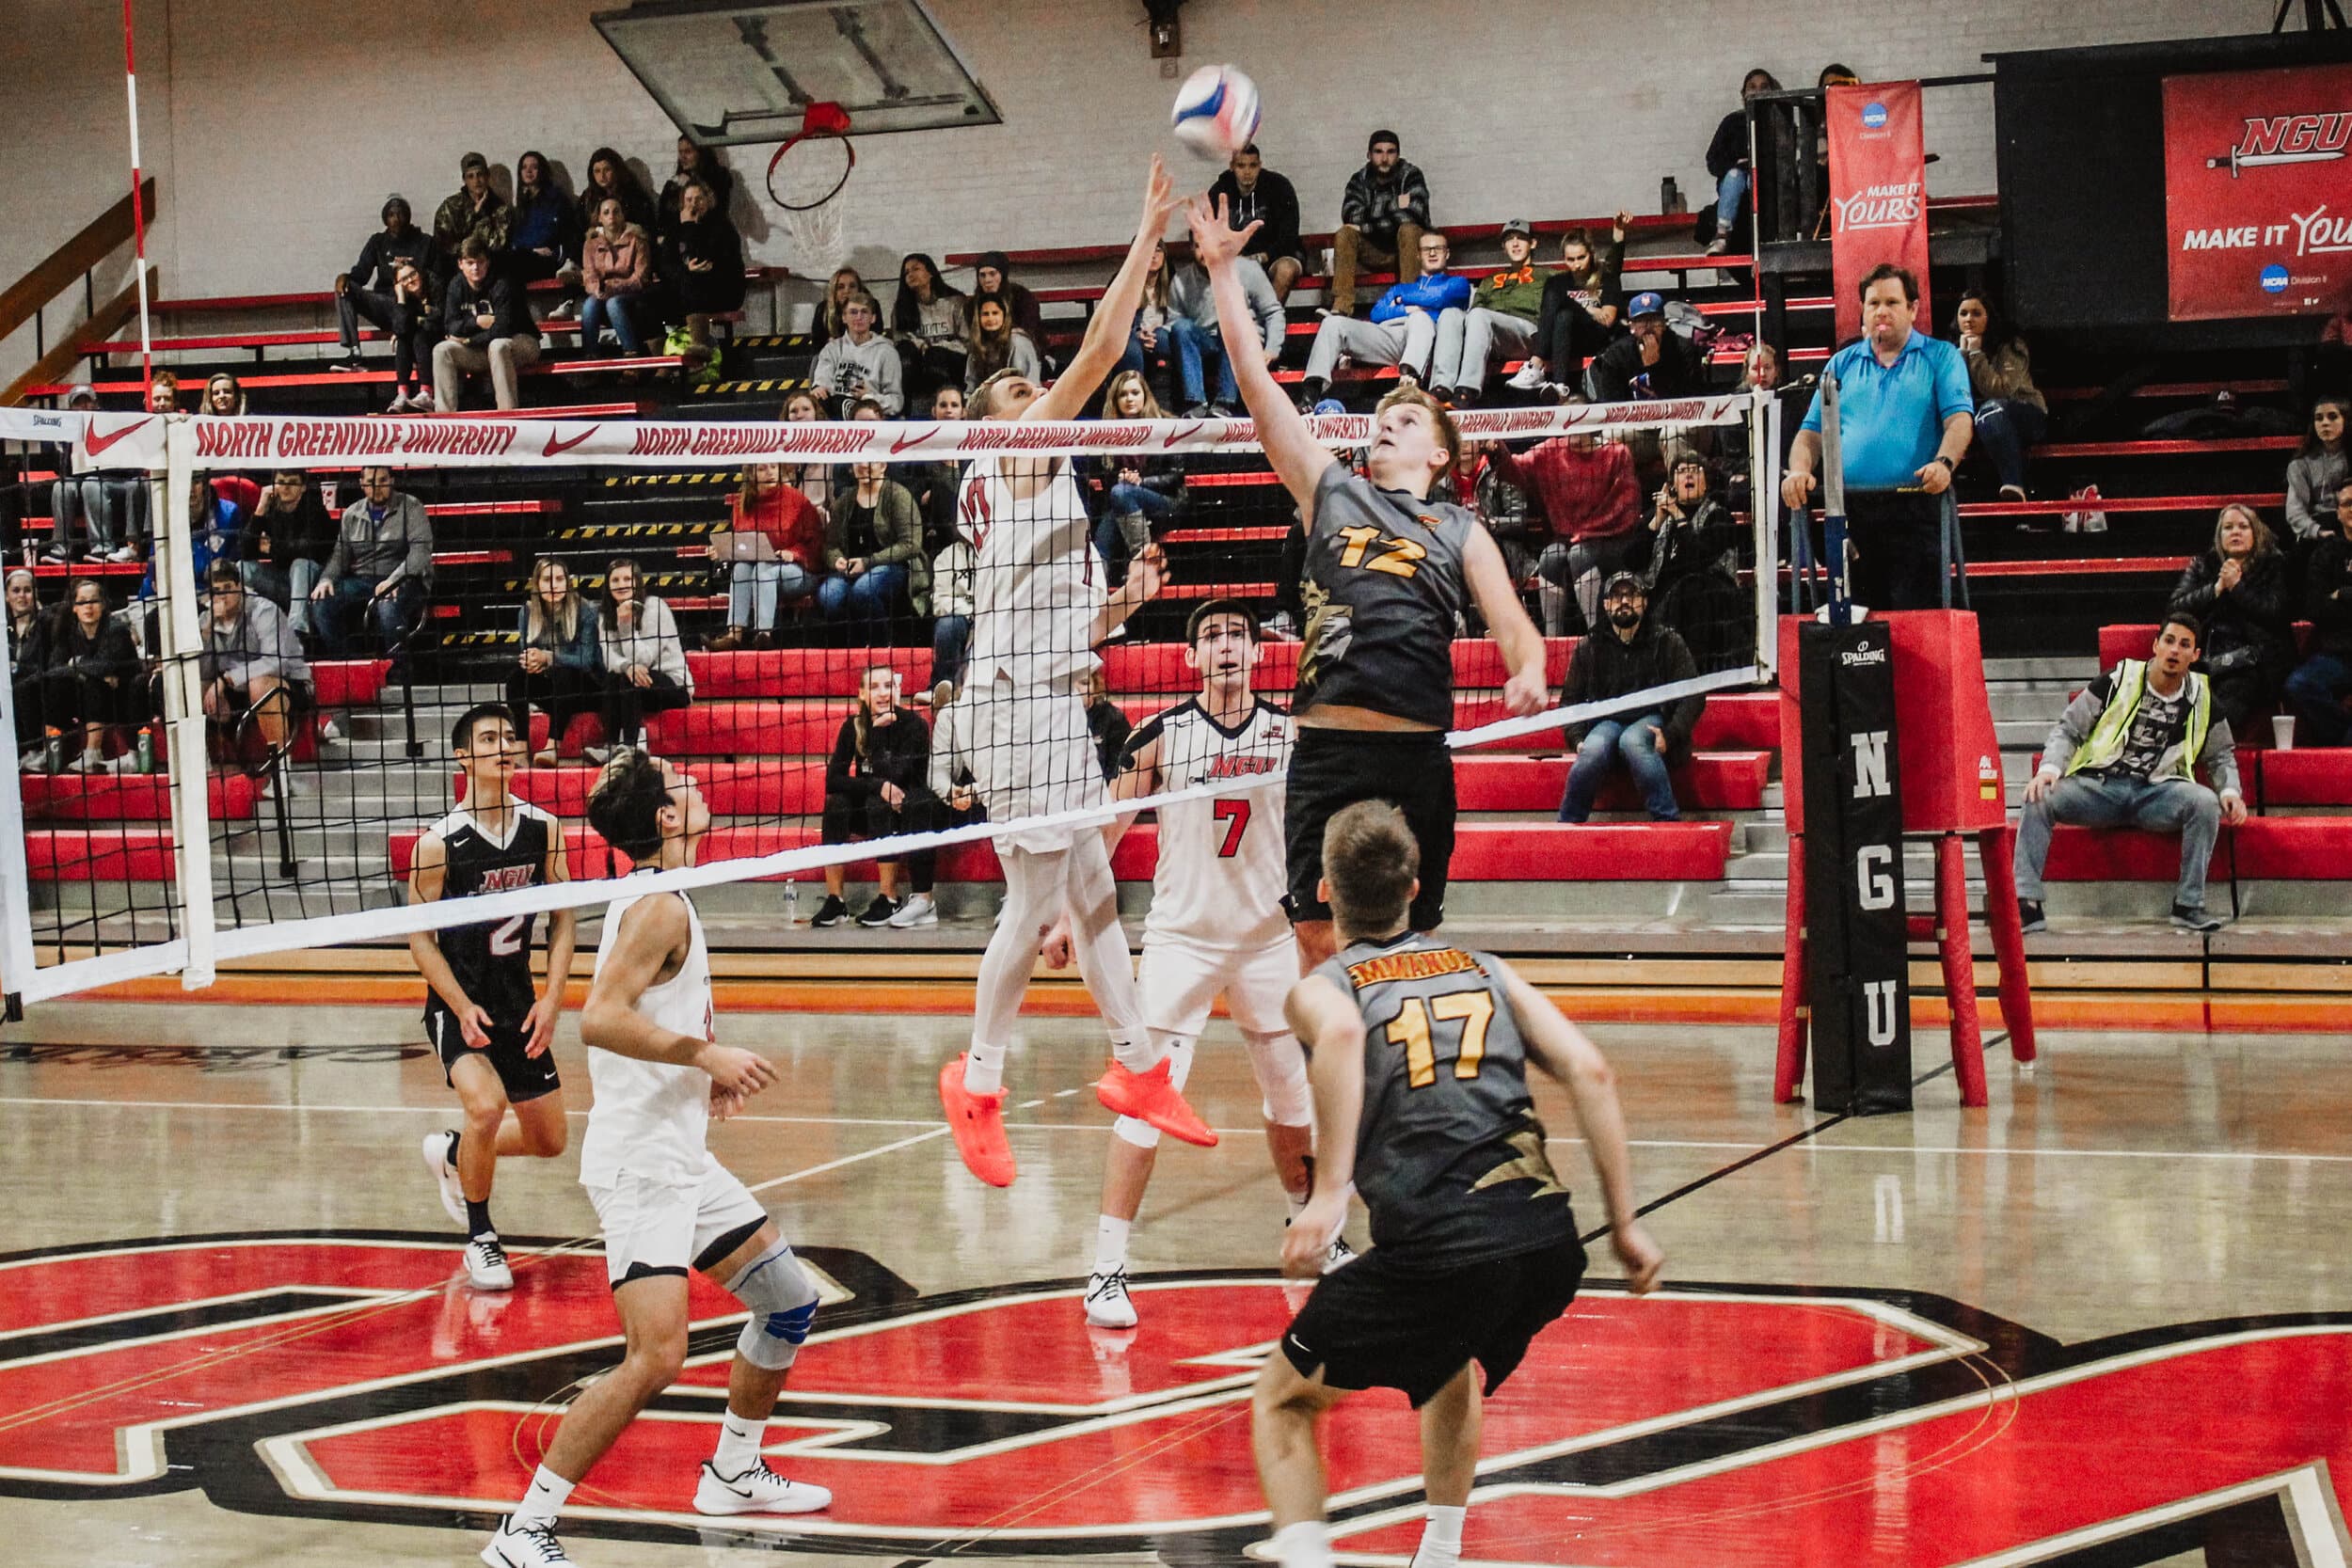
(352, 1376)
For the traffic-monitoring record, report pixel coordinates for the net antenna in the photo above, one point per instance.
(805, 176)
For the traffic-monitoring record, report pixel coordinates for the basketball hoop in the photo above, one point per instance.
(804, 176)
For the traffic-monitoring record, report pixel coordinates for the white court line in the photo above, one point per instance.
(939, 1131)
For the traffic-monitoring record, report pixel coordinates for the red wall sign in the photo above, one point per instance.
(2258, 192)
(1878, 192)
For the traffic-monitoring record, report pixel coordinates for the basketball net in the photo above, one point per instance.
(806, 179)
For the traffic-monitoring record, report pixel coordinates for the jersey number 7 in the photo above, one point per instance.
(1235, 815)
(1472, 1009)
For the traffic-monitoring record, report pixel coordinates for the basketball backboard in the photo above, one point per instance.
(730, 72)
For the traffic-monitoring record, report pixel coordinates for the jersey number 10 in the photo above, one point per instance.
(1472, 1009)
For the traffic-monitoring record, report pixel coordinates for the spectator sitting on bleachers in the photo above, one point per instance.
(1413, 324)
(474, 211)
(1107, 721)
(1728, 161)
(1253, 193)
(251, 660)
(163, 393)
(1585, 486)
(997, 346)
(927, 324)
(825, 324)
(1629, 652)
(2011, 414)
(218, 514)
(543, 238)
(2240, 592)
(645, 662)
(287, 542)
(861, 362)
(1693, 577)
(560, 666)
(111, 502)
(694, 162)
(486, 325)
(609, 176)
(382, 559)
(2317, 473)
(1581, 302)
(1139, 490)
(90, 681)
(1382, 214)
(1150, 343)
(878, 786)
(616, 270)
(2319, 693)
(1504, 311)
(1192, 326)
(1511, 516)
(874, 556)
(768, 504)
(223, 394)
(993, 279)
(704, 268)
(937, 487)
(816, 481)
(367, 290)
(416, 327)
(28, 640)
(2126, 754)
(1652, 361)
(955, 572)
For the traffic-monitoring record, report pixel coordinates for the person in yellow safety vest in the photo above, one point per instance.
(2126, 754)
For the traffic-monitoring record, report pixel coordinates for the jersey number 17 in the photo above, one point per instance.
(1411, 1028)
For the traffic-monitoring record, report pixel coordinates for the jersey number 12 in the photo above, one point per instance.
(1399, 558)
(1472, 1009)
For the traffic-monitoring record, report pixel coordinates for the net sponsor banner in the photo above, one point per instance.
(1878, 192)
(2258, 192)
(136, 440)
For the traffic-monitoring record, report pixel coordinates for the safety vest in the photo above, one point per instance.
(2107, 735)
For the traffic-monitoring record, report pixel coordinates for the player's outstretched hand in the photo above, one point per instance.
(473, 1027)
(1214, 242)
(736, 1072)
(1525, 694)
(1147, 574)
(1641, 1256)
(1309, 1238)
(1058, 949)
(1160, 199)
(539, 1023)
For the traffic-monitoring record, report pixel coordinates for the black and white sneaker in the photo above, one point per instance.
(524, 1546)
(348, 364)
(1107, 1302)
(485, 1264)
(1337, 1255)
(833, 912)
(2195, 917)
(436, 1149)
(2029, 916)
(879, 911)
(758, 1490)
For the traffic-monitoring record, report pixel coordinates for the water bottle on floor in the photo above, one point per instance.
(791, 903)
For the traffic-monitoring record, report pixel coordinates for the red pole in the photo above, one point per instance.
(138, 209)
(1994, 847)
(1959, 973)
(1788, 1069)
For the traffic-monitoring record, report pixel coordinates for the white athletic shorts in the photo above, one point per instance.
(1180, 980)
(1032, 755)
(661, 1227)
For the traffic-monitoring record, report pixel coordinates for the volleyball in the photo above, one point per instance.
(1216, 112)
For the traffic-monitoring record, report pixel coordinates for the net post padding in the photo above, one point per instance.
(181, 629)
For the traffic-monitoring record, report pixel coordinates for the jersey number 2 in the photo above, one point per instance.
(1235, 815)
(506, 939)
(1399, 558)
(1472, 1009)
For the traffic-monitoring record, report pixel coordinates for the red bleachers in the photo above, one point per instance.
(128, 797)
(2303, 777)
(98, 855)
(364, 378)
(2264, 848)
(1714, 781)
(2117, 644)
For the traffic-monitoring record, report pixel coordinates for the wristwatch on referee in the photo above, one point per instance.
(1947, 462)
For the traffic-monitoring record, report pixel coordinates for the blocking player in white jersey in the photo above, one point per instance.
(664, 1202)
(1038, 611)
(1217, 926)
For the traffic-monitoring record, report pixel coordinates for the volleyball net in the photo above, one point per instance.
(236, 750)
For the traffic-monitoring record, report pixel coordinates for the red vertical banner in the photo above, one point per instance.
(1878, 192)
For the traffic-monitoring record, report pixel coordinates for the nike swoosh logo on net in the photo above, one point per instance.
(905, 441)
(555, 446)
(1189, 430)
(95, 443)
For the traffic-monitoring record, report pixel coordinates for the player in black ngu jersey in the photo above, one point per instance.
(1418, 1058)
(1388, 571)
(489, 1024)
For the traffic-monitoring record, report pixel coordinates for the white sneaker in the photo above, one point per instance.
(399, 404)
(1528, 377)
(485, 1263)
(1337, 1255)
(88, 761)
(126, 553)
(524, 1546)
(436, 1152)
(566, 310)
(918, 911)
(329, 734)
(1107, 1302)
(758, 1490)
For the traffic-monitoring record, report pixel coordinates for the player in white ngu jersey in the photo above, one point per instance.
(1038, 612)
(665, 1203)
(1217, 927)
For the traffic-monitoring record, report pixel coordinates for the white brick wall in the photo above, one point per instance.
(277, 128)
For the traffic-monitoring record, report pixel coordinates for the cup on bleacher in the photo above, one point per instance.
(2282, 731)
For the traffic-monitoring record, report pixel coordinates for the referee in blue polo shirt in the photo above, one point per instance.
(1905, 414)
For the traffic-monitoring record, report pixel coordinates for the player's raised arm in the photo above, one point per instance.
(653, 936)
(1105, 339)
(1330, 1027)
(1526, 691)
(1560, 1048)
(1290, 446)
(428, 864)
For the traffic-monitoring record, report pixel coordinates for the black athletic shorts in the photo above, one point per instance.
(1374, 1325)
(1332, 769)
(526, 1077)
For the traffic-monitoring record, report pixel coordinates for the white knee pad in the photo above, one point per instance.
(1281, 1063)
(783, 1302)
(1178, 1049)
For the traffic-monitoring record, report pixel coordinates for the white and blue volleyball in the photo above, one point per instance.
(1216, 112)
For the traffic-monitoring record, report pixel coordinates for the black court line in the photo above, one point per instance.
(1757, 1155)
